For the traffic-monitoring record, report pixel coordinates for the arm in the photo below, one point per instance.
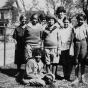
(58, 42)
(30, 69)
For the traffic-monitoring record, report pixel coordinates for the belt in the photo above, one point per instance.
(80, 40)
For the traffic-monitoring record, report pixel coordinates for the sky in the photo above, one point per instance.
(28, 4)
(2, 3)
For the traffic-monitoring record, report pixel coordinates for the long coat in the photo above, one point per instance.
(18, 35)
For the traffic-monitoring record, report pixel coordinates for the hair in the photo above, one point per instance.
(60, 9)
(67, 18)
(37, 51)
(51, 17)
(33, 16)
(81, 15)
(22, 17)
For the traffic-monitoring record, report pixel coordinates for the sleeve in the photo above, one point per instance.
(14, 34)
(30, 69)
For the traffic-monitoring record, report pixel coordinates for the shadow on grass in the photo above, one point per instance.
(9, 72)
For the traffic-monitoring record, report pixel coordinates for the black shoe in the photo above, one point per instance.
(58, 77)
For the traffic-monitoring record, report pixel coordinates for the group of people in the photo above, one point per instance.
(47, 41)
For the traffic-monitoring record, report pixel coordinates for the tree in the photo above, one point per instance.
(85, 7)
(14, 10)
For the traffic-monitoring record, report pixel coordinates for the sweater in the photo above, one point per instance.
(50, 35)
(34, 69)
(33, 33)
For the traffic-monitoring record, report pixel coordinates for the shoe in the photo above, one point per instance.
(75, 81)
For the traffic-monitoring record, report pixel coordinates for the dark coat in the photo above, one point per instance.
(18, 35)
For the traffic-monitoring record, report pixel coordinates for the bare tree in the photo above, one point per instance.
(14, 10)
(85, 7)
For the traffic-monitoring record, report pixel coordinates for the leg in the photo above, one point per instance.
(47, 60)
(70, 67)
(65, 71)
(18, 70)
(83, 56)
(48, 68)
(77, 46)
(54, 69)
(76, 70)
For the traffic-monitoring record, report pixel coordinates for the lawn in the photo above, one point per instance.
(7, 72)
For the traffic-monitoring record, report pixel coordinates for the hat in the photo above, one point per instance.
(51, 17)
(60, 9)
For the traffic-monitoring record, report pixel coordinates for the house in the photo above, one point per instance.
(9, 9)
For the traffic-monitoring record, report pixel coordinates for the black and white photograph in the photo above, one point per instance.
(43, 43)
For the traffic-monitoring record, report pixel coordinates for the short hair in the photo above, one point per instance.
(37, 51)
(22, 17)
(32, 17)
(81, 15)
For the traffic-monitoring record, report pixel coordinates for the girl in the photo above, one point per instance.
(80, 46)
(51, 45)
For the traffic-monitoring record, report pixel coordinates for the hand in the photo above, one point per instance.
(58, 52)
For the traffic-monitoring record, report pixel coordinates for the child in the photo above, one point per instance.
(80, 46)
(34, 69)
(66, 40)
(51, 45)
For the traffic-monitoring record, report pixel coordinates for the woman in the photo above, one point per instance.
(80, 46)
(18, 35)
(32, 35)
(66, 41)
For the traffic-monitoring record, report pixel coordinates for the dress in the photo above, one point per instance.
(18, 35)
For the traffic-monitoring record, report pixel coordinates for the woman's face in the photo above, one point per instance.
(23, 21)
(51, 22)
(66, 23)
(35, 20)
(61, 15)
(80, 21)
